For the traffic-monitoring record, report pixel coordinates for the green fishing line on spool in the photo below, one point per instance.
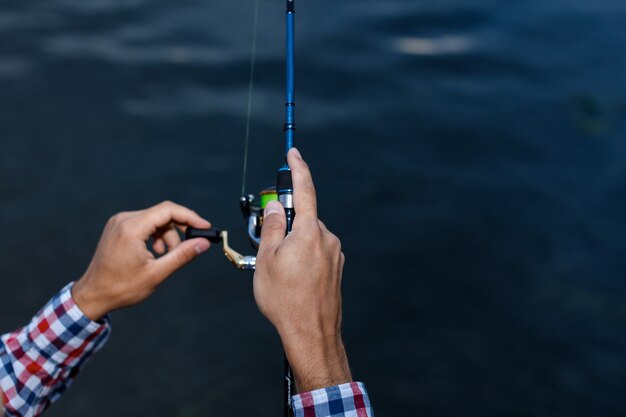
(267, 195)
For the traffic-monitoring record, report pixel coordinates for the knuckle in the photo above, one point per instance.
(313, 226)
(273, 227)
(273, 222)
(167, 204)
(115, 219)
(262, 261)
(124, 228)
(312, 232)
(334, 243)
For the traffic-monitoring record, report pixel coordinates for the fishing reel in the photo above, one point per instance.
(253, 212)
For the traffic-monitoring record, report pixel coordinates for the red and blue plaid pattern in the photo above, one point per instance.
(346, 400)
(39, 362)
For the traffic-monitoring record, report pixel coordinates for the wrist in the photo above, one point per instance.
(87, 301)
(317, 362)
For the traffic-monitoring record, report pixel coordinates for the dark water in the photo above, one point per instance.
(469, 154)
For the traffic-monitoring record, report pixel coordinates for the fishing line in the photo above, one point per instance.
(283, 192)
(255, 26)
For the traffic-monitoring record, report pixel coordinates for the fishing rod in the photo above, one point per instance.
(284, 184)
(253, 208)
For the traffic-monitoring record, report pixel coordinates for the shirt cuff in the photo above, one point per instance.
(62, 332)
(349, 399)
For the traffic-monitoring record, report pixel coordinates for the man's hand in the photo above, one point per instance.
(297, 286)
(123, 271)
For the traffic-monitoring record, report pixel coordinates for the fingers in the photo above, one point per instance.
(274, 228)
(147, 222)
(334, 244)
(171, 238)
(304, 196)
(179, 257)
(159, 246)
(167, 237)
(342, 264)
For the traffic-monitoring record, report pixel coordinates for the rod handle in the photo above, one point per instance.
(284, 188)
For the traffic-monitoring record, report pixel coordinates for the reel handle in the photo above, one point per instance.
(212, 235)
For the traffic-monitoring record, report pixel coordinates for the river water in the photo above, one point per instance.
(470, 155)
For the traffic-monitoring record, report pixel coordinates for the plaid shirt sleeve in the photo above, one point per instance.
(346, 400)
(38, 362)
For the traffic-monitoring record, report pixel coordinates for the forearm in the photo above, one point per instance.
(38, 362)
(323, 378)
(317, 363)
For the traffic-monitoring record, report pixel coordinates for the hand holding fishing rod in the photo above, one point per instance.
(297, 286)
(325, 363)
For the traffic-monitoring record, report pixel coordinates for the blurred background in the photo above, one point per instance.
(469, 154)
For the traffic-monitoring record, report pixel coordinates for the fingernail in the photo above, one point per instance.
(296, 152)
(273, 207)
(202, 246)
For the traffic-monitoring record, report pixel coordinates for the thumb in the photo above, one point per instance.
(274, 227)
(179, 257)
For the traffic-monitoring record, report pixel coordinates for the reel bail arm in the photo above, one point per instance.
(221, 236)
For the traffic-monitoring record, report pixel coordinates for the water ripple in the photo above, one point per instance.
(112, 50)
(445, 45)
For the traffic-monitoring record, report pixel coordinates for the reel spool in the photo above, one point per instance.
(253, 211)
